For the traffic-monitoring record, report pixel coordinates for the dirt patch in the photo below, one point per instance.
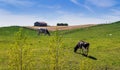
(54, 28)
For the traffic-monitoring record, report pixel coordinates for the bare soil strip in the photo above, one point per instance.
(54, 28)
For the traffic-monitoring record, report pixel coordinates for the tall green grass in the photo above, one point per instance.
(19, 54)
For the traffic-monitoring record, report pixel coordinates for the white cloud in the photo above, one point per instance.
(17, 2)
(19, 20)
(82, 5)
(78, 20)
(50, 7)
(102, 3)
(115, 12)
(69, 13)
(8, 19)
(81, 19)
(2, 12)
(75, 2)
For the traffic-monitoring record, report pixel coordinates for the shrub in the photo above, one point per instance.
(20, 53)
(62, 24)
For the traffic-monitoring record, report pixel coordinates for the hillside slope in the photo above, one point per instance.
(98, 31)
(10, 31)
(104, 48)
(104, 42)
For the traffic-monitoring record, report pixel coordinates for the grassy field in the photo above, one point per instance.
(56, 52)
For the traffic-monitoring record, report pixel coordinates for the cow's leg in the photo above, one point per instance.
(45, 32)
(76, 47)
(82, 52)
(38, 32)
(87, 50)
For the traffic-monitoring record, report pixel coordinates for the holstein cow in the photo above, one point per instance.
(43, 30)
(83, 46)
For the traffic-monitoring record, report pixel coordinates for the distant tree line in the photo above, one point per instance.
(40, 24)
(62, 24)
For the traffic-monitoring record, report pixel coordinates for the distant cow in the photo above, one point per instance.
(43, 30)
(83, 46)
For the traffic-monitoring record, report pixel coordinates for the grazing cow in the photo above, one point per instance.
(42, 30)
(84, 46)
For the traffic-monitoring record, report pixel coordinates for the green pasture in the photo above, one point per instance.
(55, 52)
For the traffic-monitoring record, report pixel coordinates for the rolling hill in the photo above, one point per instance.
(104, 49)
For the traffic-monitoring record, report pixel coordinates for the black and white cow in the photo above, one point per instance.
(43, 30)
(83, 46)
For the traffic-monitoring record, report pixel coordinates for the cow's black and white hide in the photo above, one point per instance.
(83, 46)
(42, 30)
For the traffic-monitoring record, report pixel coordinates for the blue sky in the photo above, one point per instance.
(73, 12)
